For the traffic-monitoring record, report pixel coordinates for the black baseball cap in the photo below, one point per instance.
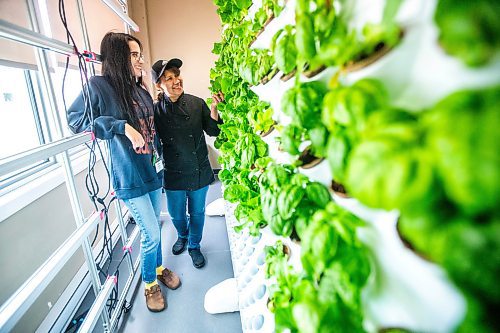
(162, 65)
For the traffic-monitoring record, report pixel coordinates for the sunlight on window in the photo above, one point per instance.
(18, 131)
(72, 88)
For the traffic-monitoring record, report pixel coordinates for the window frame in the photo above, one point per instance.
(17, 181)
(32, 84)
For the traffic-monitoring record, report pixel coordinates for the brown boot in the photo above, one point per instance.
(154, 299)
(169, 278)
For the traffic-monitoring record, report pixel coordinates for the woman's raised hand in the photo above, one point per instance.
(216, 99)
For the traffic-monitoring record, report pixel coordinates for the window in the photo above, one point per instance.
(21, 122)
(18, 125)
(27, 119)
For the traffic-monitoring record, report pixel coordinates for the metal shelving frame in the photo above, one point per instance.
(17, 305)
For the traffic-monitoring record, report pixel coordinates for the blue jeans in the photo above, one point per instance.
(188, 227)
(146, 212)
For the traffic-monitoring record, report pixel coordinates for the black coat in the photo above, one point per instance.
(180, 126)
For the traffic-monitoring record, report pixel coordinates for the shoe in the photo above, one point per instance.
(154, 299)
(179, 246)
(197, 257)
(169, 278)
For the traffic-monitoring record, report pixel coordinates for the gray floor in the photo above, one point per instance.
(185, 312)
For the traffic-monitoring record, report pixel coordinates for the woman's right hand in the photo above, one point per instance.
(135, 137)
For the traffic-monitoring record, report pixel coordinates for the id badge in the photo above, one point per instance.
(159, 165)
(157, 161)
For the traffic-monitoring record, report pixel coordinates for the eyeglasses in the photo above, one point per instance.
(137, 56)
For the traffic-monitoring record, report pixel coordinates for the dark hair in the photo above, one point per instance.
(117, 69)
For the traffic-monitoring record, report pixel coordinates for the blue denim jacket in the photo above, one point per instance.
(133, 174)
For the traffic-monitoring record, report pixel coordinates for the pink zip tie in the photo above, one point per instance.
(92, 135)
(90, 56)
(115, 279)
(102, 214)
(127, 249)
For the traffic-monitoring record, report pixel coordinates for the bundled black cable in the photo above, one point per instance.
(107, 242)
(91, 182)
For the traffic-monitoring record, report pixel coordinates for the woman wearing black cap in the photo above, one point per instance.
(181, 120)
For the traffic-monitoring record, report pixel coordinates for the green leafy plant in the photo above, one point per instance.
(391, 168)
(239, 147)
(232, 10)
(460, 230)
(387, 33)
(469, 30)
(284, 49)
(289, 198)
(326, 296)
(269, 10)
(261, 117)
(324, 38)
(303, 104)
(439, 169)
(345, 113)
(464, 141)
(333, 256)
(290, 138)
(469, 249)
(331, 229)
(281, 293)
(257, 66)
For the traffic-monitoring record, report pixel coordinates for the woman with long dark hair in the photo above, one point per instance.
(119, 109)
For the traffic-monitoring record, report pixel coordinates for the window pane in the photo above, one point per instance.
(72, 88)
(17, 122)
(16, 12)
